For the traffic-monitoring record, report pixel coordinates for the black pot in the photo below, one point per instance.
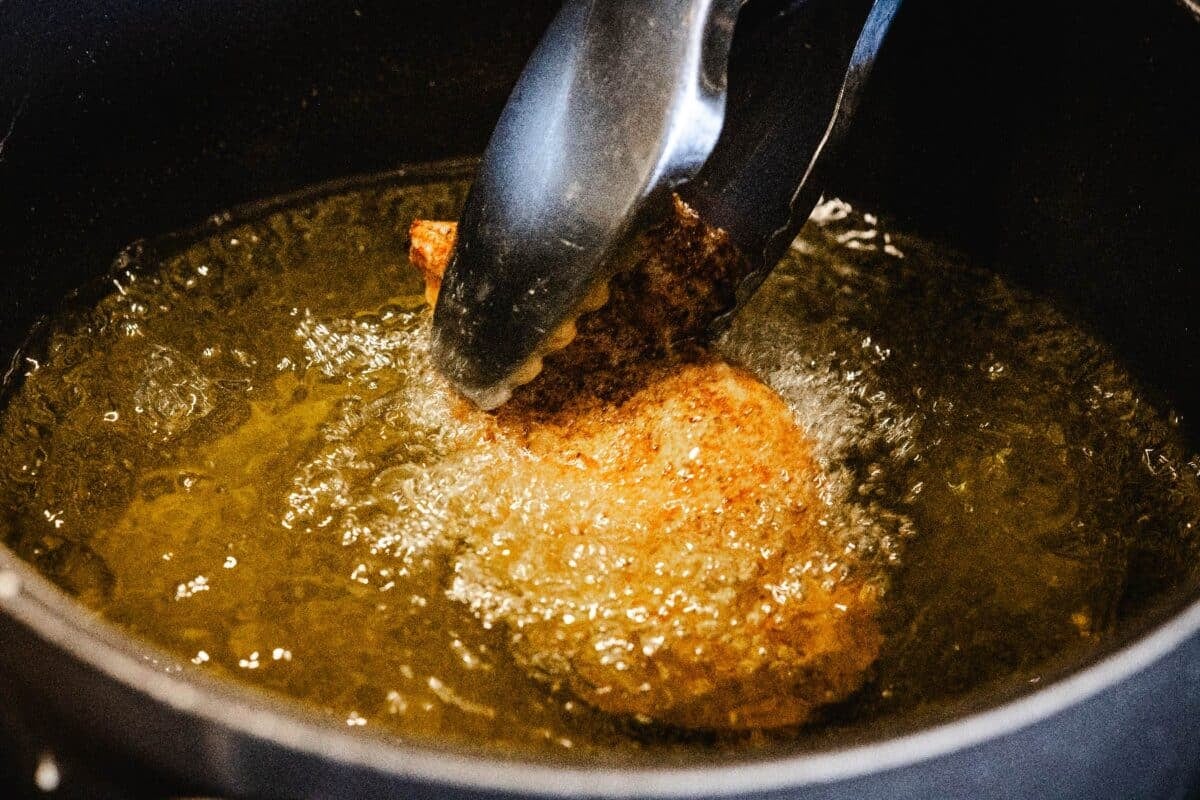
(1055, 141)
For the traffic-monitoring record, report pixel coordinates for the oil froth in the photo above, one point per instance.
(300, 503)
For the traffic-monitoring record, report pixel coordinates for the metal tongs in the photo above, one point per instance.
(623, 103)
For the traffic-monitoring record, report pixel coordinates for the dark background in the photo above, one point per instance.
(1056, 140)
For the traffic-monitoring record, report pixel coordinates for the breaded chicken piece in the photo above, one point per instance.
(664, 555)
(651, 531)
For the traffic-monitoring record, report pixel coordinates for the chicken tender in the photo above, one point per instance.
(651, 530)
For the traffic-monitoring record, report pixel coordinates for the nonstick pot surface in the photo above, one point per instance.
(1027, 134)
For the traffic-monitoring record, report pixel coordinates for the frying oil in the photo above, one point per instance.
(241, 454)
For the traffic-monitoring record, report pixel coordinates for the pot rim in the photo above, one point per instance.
(67, 626)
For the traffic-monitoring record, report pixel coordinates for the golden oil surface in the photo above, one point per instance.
(242, 455)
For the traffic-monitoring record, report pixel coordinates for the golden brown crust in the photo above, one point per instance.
(430, 244)
(658, 544)
(684, 278)
(702, 598)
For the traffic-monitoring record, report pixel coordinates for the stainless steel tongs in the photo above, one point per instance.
(622, 103)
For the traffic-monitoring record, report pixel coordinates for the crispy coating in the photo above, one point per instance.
(431, 244)
(685, 276)
(664, 555)
(656, 541)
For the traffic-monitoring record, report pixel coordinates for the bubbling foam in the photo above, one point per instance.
(971, 452)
